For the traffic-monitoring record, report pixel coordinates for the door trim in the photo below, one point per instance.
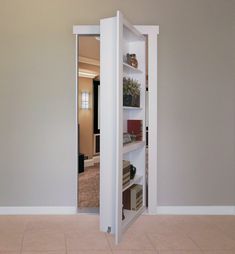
(152, 32)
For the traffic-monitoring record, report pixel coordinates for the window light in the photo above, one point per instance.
(85, 100)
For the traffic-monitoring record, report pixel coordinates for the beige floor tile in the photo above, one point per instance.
(90, 252)
(9, 252)
(135, 252)
(229, 232)
(82, 224)
(166, 234)
(15, 224)
(131, 241)
(43, 252)
(228, 228)
(218, 219)
(64, 223)
(44, 241)
(86, 241)
(47, 223)
(225, 224)
(213, 241)
(179, 252)
(187, 224)
(10, 241)
(155, 224)
(172, 242)
(219, 252)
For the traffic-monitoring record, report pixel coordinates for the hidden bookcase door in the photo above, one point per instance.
(123, 119)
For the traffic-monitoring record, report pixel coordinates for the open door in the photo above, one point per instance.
(122, 124)
(122, 107)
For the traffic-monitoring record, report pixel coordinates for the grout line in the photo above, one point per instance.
(186, 234)
(65, 243)
(200, 249)
(23, 236)
(21, 247)
(108, 242)
(151, 243)
(221, 231)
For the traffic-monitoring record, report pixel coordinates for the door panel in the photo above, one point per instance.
(119, 38)
(107, 124)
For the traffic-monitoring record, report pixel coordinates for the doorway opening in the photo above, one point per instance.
(88, 110)
(88, 87)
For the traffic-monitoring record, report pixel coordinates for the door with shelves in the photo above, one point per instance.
(124, 81)
(122, 198)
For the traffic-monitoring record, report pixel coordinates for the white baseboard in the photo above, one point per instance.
(91, 162)
(33, 210)
(96, 159)
(167, 210)
(196, 210)
(88, 163)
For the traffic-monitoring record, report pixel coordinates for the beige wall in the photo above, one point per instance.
(85, 118)
(196, 99)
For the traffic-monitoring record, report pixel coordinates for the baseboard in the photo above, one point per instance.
(34, 210)
(96, 159)
(91, 162)
(196, 210)
(88, 163)
(167, 210)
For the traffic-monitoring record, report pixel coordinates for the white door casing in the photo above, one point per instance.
(107, 180)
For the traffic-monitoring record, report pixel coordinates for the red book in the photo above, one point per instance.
(135, 127)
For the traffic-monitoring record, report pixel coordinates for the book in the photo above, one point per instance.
(135, 128)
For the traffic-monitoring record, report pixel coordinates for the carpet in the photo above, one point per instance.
(89, 187)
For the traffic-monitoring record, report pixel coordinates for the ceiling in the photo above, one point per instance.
(89, 47)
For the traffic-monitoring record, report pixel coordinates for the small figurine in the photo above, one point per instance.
(131, 60)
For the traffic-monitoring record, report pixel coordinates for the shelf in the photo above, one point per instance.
(130, 217)
(133, 146)
(131, 108)
(133, 181)
(129, 68)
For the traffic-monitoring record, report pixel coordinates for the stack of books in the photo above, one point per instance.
(126, 173)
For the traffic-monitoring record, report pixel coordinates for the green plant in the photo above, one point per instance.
(131, 87)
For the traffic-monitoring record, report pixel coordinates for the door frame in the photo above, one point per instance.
(152, 32)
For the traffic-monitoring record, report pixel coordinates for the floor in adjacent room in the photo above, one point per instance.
(89, 187)
(79, 234)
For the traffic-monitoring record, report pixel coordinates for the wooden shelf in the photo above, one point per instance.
(131, 69)
(130, 217)
(133, 146)
(131, 108)
(136, 179)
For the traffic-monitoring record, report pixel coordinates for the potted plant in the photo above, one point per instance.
(131, 92)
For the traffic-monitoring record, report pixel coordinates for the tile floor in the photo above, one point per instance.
(79, 234)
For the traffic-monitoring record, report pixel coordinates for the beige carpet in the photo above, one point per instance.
(89, 187)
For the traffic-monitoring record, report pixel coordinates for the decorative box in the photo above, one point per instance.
(133, 197)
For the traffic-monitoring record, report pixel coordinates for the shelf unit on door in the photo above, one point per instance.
(133, 42)
(116, 36)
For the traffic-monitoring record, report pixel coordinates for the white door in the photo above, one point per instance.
(117, 38)
(122, 200)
